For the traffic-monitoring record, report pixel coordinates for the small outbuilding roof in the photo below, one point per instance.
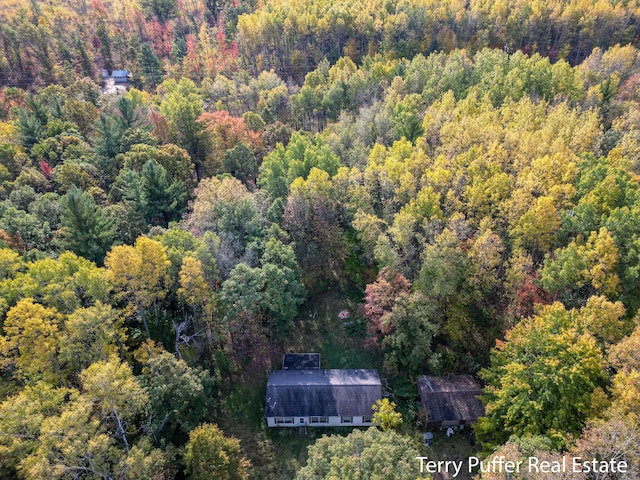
(301, 361)
(450, 399)
(304, 393)
(119, 73)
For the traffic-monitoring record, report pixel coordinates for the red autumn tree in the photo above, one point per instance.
(379, 300)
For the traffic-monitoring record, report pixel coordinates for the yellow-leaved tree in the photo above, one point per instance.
(139, 275)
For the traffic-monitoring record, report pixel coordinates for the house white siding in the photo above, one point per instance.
(356, 421)
(316, 398)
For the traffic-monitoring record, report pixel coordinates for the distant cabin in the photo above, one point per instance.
(450, 401)
(321, 398)
(120, 76)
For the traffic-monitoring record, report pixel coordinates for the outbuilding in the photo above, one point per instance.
(450, 401)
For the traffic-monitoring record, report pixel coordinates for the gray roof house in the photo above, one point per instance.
(450, 401)
(120, 76)
(315, 397)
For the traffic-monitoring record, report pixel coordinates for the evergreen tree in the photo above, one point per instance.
(86, 62)
(29, 129)
(105, 43)
(85, 230)
(107, 146)
(128, 115)
(151, 67)
(163, 201)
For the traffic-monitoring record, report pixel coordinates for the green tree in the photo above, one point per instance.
(583, 268)
(283, 291)
(367, 455)
(180, 397)
(209, 455)
(241, 162)
(412, 326)
(130, 115)
(107, 142)
(85, 229)
(406, 118)
(183, 106)
(541, 379)
(163, 202)
(272, 290)
(242, 292)
(312, 216)
(29, 129)
(225, 207)
(162, 9)
(151, 67)
(284, 165)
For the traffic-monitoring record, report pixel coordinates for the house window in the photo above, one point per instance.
(281, 420)
(318, 420)
(367, 419)
(347, 419)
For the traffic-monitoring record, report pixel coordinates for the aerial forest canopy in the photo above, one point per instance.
(462, 177)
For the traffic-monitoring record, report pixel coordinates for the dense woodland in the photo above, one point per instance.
(468, 173)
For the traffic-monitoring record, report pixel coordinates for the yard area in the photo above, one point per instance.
(455, 448)
(278, 454)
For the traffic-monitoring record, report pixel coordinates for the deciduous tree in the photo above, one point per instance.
(210, 455)
(370, 454)
(542, 378)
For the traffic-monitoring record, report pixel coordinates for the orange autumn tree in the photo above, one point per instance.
(224, 133)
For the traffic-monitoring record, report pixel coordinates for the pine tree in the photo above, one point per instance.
(105, 43)
(29, 129)
(163, 201)
(107, 145)
(151, 67)
(128, 115)
(85, 230)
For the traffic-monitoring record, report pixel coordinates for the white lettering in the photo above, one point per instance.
(440, 466)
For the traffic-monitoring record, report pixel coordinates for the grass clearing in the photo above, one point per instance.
(455, 448)
(277, 454)
(339, 341)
